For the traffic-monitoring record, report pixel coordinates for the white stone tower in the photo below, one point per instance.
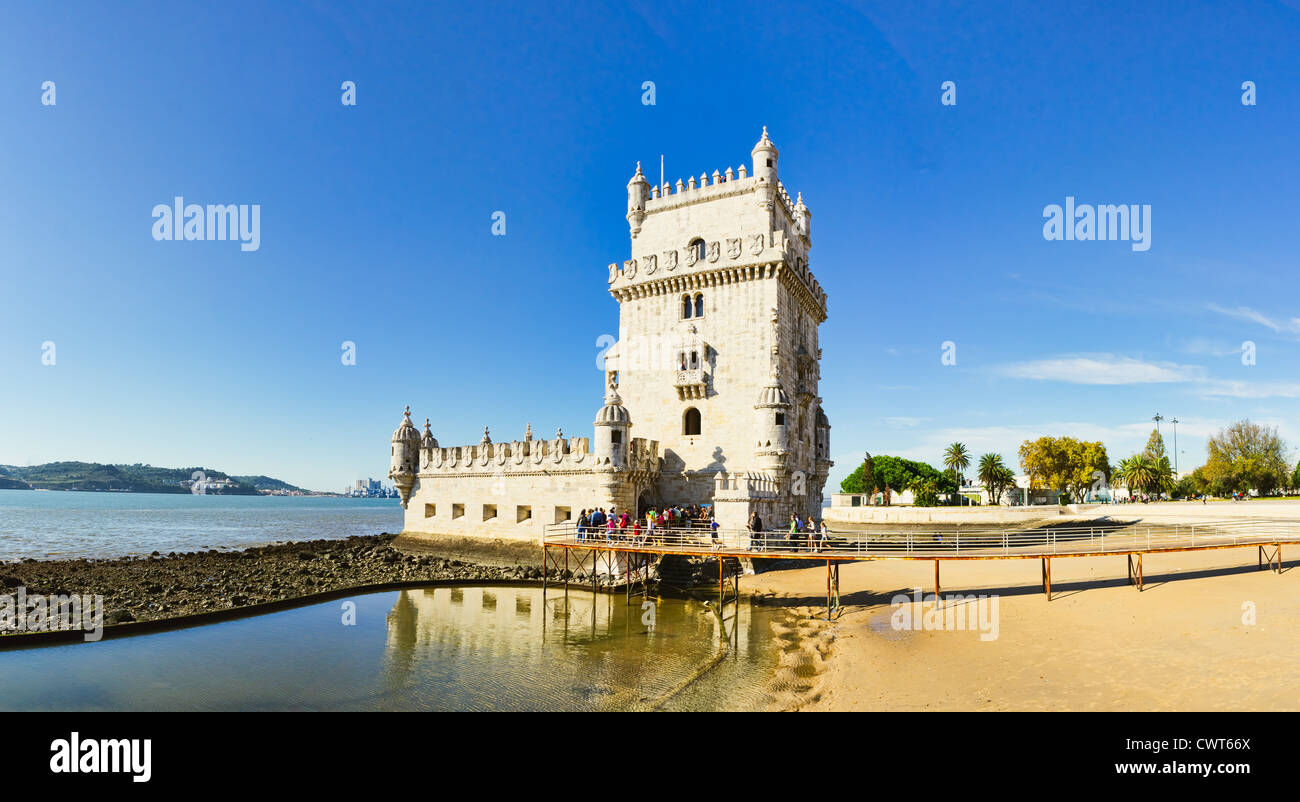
(718, 354)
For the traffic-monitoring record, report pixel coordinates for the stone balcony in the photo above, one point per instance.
(691, 383)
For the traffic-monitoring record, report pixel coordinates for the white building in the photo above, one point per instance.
(710, 392)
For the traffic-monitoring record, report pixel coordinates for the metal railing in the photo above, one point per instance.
(1118, 538)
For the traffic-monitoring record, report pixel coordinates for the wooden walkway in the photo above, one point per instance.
(623, 561)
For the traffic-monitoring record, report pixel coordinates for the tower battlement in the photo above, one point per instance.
(715, 372)
(557, 454)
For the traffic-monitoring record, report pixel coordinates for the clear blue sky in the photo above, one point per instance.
(375, 223)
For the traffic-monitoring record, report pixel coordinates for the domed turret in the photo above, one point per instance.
(638, 192)
(765, 156)
(613, 424)
(406, 446)
(428, 440)
(823, 436)
(770, 424)
(803, 218)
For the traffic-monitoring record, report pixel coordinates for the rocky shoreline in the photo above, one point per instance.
(180, 584)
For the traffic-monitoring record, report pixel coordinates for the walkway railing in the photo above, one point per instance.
(1119, 538)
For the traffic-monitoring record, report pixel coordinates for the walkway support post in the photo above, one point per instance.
(828, 590)
(936, 581)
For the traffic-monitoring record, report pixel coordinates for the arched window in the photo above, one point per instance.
(699, 304)
(686, 306)
(691, 421)
(698, 246)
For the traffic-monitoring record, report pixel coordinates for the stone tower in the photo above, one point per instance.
(718, 354)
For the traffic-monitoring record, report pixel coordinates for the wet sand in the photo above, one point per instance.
(1181, 644)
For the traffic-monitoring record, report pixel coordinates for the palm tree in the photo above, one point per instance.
(1119, 475)
(1142, 474)
(956, 459)
(994, 475)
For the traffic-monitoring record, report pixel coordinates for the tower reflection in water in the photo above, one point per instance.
(503, 648)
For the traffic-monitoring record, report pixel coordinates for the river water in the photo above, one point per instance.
(57, 524)
(444, 648)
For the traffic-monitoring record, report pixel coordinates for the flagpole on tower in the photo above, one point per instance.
(661, 172)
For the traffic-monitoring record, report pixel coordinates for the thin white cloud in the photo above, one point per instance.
(1102, 369)
(904, 421)
(1289, 326)
(1110, 369)
(1241, 389)
(1204, 346)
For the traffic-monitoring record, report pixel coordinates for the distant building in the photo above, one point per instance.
(369, 488)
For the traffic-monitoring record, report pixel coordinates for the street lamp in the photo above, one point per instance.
(1174, 421)
(1157, 418)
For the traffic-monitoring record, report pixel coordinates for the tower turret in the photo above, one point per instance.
(823, 436)
(765, 155)
(638, 192)
(771, 424)
(613, 426)
(427, 444)
(803, 220)
(406, 447)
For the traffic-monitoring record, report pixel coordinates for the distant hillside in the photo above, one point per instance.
(267, 483)
(137, 478)
(8, 482)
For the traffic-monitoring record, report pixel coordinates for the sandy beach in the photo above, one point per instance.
(1186, 642)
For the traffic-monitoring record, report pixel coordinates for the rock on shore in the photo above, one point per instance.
(166, 586)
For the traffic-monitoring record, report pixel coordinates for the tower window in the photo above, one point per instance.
(691, 422)
(616, 437)
(686, 311)
(699, 304)
(769, 162)
(697, 245)
(780, 419)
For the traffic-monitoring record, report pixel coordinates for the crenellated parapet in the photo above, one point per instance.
(707, 188)
(566, 453)
(643, 455)
(532, 456)
(746, 256)
(747, 486)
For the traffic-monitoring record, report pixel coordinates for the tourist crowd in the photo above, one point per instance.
(676, 523)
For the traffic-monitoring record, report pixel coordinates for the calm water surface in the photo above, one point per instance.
(470, 648)
(51, 524)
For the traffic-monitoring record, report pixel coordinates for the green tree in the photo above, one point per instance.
(1064, 464)
(995, 476)
(924, 492)
(1155, 446)
(895, 474)
(1246, 455)
(956, 459)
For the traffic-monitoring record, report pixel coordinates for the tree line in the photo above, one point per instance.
(1243, 456)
